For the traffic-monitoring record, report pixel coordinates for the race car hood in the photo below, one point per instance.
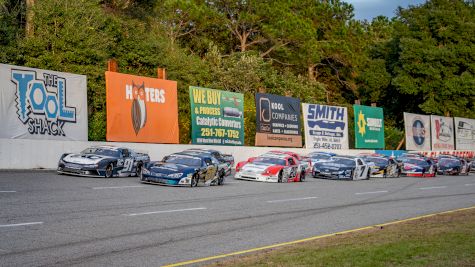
(331, 167)
(256, 167)
(84, 159)
(168, 168)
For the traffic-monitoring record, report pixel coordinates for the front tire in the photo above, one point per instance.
(138, 170)
(279, 178)
(109, 170)
(221, 178)
(194, 181)
(302, 176)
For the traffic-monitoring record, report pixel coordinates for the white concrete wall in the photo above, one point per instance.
(32, 154)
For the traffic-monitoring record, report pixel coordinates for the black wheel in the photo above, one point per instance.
(302, 176)
(194, 180)
(279, 178)
(109, 170)
(138, 170)
(221, 178)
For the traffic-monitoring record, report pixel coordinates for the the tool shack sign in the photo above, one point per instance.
(278, 121)
(217, 117)
(141, 109)
(326, 127)
(42, 104)
(369, 127)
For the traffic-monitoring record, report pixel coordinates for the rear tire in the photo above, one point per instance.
(279, 178)
(109, 170)
(221, 178)
(138, 170)
(302, 176)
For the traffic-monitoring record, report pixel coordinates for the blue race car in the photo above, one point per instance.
(182, 169)
(103, 161)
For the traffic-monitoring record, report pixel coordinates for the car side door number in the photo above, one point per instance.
(128, 164)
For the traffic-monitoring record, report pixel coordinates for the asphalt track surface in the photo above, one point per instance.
(58, 220)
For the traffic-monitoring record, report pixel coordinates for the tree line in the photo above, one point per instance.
(421, 61)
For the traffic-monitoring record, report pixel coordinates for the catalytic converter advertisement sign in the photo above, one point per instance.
(217, 117)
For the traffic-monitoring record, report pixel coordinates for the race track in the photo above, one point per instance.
(57, 220)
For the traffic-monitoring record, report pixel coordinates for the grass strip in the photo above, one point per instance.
(441, 240)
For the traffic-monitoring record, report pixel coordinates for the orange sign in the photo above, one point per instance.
(141, 109)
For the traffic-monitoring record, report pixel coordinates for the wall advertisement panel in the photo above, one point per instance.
(369, 127)
(42, 104)
(326, 127)
(442, 132)
(464, 134)
(217, 117)
(278, 121)
(417, 129)
(141, 109)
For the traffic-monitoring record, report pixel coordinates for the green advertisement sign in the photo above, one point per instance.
(369, 127)
(217, 117)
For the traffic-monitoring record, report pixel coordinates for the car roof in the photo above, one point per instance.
(108, 147)
(186, 155)
(203, 149)
(276, 156)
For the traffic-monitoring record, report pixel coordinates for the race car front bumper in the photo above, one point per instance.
(250, 176)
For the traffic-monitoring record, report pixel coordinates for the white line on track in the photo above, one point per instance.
(469, 184)
(290, 199)
(163, 211)
(7, 191)
(431, 187)
(373, 192)
(19, 224)
(116, 187)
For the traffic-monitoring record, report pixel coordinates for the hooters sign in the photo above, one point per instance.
(141, 109)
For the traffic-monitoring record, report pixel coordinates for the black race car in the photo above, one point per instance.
(181, 169)
(103, 161)
(222, 158)
(452, 166)
(383, 166)
(341, 167)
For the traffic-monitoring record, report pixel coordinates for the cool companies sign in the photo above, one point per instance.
(464, 134)
(326, 127)
(369, 127)
(417, 131)
(278, 121)
(42, 104)
(141, 109)
(217, 117)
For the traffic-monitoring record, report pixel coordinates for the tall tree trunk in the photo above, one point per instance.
(29, 18)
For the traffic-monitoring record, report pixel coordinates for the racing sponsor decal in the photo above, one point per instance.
(369, 127)
(442, 131)
(417, 131)
(141, 109)
(464, 134)
(278, 121)
(42, 104)
(217, 117)
(326, 127)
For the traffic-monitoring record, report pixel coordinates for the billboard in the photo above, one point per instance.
(42, 104)
(326, 127)
(369, 127)
(141, 109)
(278, 121)
(442, 132)
(464, 134)
(217, 117)
(417, 129)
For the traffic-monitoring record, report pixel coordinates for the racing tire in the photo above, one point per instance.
(221, 178)
(138, 170)
(194, 181)
(302, 176)
(109, 170)
(279, 178)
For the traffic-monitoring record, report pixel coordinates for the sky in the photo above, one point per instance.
(369, 9)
